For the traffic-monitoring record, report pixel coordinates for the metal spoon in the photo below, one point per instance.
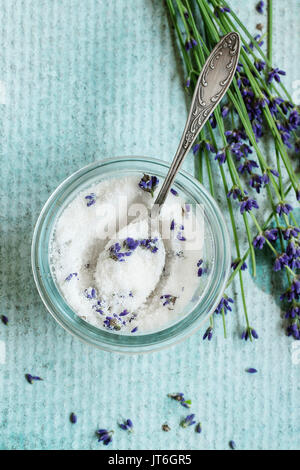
(213, 82)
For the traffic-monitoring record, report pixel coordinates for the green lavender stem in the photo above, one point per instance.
(270, 32)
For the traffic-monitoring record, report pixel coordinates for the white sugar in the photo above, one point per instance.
(126, 280)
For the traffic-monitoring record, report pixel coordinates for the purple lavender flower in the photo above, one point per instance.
(274, 74)
(221, 156)
(281, 261)
(295, 287)
(91, 199)
(290, 232)
(260, 7)
(4, 319)
(225, 111)
(127, 425)
(232, 445)
(150, 244)
(274, 172)
(235, 264)
(260, 65)
(111, 323)
(124, 313)
(224, 304)
(235, 192)
(271, 234)
(249, 332)
(32, 378)
(254, 333)
(247, 166)
(168, 299)
(208, 334)
(104, 436)
(213, 121)
(219, 10)
(90, 293)
(73, 418)
(251, 370)
(196, 147)
(209, 146)
(190, 43)
(248, 204)
(235, 135)
(293, 311)
(259, 242)
(251, 45)
(198, 428)
(180, 398)
(149, 184)
(285, 106)
(283, 208)
(131, 244)
(188, 421)
(200, 269)
(258, 181)
(294, 330)
(180, 237)
(70, 276)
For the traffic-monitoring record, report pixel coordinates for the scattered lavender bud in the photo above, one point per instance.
(168, 299)
(70, 276)
(149, 184)
(4, 319)
(180, 398)
(198, 428)
(91, 199)
(127, 425)
(254, 334)
(105, 436)
(174, 192)
(31, 378)
(208, 334)
(73, 418)
(260, 7)
(134, 329)
(251, 370)
(180, 237)
(232, 445)
(188, 421)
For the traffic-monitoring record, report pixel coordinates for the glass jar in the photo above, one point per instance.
(216, 255)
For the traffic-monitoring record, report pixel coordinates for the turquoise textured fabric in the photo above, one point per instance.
(85, 80)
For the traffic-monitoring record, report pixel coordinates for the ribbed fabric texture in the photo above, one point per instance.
(85, 80)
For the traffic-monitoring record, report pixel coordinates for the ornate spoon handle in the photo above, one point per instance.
(213, 82)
